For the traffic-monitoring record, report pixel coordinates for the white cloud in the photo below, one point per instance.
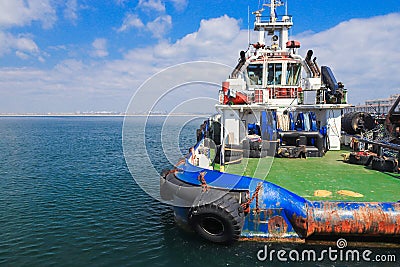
(108, 85)
(23, 45)
(100, 48)
(20, 13)
(152, 5)
(70, 66)
(160, 26)
(21, 55)
(219, 29)
(218, 39)
(23, 12)
(26, 44)
(70, 11)
(363, 53)
(180, 5)
(130, 21)
(121, 2)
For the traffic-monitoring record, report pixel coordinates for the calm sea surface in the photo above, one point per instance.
(67, 198)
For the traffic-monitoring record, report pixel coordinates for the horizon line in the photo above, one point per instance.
(97, 115)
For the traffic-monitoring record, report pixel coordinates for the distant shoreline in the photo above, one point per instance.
(102, 115)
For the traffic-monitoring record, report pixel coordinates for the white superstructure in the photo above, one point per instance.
(272, 76)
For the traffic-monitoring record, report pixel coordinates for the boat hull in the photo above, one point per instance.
(266, 211)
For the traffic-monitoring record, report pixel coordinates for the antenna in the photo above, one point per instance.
(248, 23)
(286, 8)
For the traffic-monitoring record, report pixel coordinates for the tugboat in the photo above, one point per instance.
(275, 103)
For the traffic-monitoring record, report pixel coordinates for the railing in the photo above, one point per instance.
(279, 18)
(260, 96)
(283, 92)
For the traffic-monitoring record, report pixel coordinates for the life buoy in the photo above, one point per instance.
(218, 221)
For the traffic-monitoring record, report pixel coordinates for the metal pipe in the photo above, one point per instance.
(303, 63)
(311, 65)
(239, 66)
(316, 67)
(380, 144)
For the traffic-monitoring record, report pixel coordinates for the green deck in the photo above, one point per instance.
(304, 176)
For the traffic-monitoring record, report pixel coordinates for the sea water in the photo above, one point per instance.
(67, 198)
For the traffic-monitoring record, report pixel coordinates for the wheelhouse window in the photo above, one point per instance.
(255, 72)
(274, 74)
(293, 73)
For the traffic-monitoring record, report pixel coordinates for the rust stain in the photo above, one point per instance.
(300, 224)
(277, 226)
(274, 239)
(366, 218)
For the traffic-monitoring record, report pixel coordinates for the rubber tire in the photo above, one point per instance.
(234, 146)
(255, 153)
(233, 155)
(255, 145)
(382, 165)
(217, 159)
(377, 164)
(233, 161)
(267, 149)
(390, 165)
(359, 160)
(230, 153)
(232, 158)
(246, 148)
(246, 144)
(220, 221)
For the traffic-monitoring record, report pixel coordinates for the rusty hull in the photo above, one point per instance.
(283, 214)
(353, 218)
(275, 213)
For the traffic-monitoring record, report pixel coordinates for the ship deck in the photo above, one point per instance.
(306, 176)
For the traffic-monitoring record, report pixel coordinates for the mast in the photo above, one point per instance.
(275, 24)
(261, 35)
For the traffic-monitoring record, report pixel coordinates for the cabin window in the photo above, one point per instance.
(293, 73)
(255, 72)
(274, 73)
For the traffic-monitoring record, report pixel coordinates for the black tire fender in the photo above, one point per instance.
(359, 159)
(380, 164)
(219, 221)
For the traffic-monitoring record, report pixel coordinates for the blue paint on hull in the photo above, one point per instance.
(277, 213)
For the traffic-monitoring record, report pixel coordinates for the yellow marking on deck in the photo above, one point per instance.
(322, 193)
(349, 193)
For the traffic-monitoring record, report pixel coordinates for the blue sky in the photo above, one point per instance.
(86, 55)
